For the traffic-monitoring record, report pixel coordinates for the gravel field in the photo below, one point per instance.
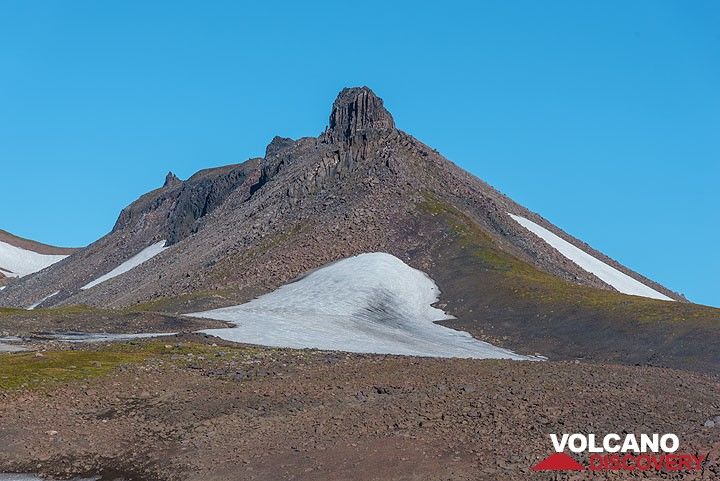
(195, 408)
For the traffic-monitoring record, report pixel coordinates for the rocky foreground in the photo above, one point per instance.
(186, 408)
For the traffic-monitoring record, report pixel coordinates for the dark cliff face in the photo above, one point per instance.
(171, 180)
(358, 111)
(177, 209)
(201, 196)
(360, 136)
(358, 121)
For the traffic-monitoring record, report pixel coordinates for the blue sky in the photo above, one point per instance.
(604, 117)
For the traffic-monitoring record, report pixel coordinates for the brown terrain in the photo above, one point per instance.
(193, 410)
(192, 407)
(32, 245)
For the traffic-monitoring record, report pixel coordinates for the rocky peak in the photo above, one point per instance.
(357, 110)
(171, 179)
(277, 145)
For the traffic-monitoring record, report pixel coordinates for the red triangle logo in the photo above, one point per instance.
(558, 462)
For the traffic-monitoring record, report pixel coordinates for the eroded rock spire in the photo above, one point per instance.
(358, 110)
(171, 179)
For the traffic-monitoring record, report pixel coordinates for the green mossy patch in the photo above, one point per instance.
(531, 284)
(26, 370)
(30, 370)
(10, 311)
(178, 303)
(75, 310)
(228, 267)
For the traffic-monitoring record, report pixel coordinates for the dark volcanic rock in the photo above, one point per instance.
(171, 180)
(357, 111)
(176, 208)
(277, 145)
(202, 194)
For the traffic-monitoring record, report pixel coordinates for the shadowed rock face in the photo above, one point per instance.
(176, 210)
(356, 112)
(199, 197)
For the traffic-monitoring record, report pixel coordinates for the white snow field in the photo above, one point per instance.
(372, 303)
(30, 308)
(17, 262)
(10, 348)
(142, 256)
(619, 280)
(7, 345)
(81, 337)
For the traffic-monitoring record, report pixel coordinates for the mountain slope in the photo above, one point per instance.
(235, 232)
(20, 257)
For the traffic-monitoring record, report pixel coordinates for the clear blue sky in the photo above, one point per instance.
(602, 116)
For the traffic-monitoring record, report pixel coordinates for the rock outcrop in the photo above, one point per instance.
(171, 180)
(358, 111)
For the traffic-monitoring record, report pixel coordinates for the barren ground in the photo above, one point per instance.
(195, 408)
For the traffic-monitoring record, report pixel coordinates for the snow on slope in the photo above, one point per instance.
(17, 262)
(10, 348)
(79, 337)
(142, 256)
(371, 303)
(30, 308)
(619, 280)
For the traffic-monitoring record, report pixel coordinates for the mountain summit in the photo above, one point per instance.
(358, 111)
(171, 179)
(228, 234)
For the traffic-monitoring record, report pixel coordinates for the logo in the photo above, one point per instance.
(646, 452)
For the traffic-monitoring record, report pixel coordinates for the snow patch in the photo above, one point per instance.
(30, 308)
(617, 279)
(18, 262)
(104, 336)
(10, 348)
(373, 303)
(142, 256)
